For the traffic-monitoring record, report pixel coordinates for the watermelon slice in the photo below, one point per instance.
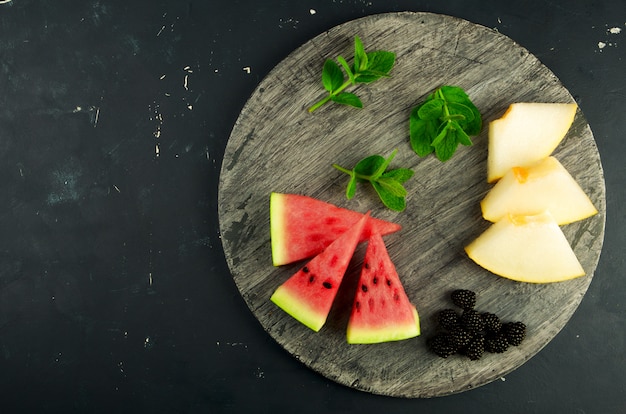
(381, 311)
(302, 227)
(309, 294)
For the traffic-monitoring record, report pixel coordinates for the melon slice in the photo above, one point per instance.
(526, 249)
(309, 294)
(381, 311)
(546, 185)
(526, 133)
(301, 226)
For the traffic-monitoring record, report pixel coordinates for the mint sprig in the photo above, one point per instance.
(367, 67)
(444, 120)
(387, 184)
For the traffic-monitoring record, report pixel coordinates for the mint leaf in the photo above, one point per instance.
(366, 67)
(347, 98)
(360, 57)
(444, 120)
(387, 184)
(401, 175)
(431, 110)
(368, 166)
(332, 76)
(390, 200)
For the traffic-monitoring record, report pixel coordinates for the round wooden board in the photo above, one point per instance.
(276, 145)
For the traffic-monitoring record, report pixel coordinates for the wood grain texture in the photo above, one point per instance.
(276, 145)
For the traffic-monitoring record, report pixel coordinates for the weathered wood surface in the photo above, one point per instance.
(276, 145)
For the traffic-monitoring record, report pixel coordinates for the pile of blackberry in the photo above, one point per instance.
(472, 333)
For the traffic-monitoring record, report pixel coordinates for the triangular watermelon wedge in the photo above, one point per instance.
(309, 294)
(381, 311)
(302, 226)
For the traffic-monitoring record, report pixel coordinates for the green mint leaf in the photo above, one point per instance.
(387, 184)
(392, 186)
(445, 144)
(360, 57)
(461, 112)
(445, 119)
(391, 201)
(442, 135)
(332, 76)
(366, 68)
(381, 168)
(379, 65)
(401, 175)
(347, 68)
(347, 98)
(453, 94)
(368, 166)
(421, 135)
(431, 110)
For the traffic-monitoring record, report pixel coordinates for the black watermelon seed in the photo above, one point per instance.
(327, 285)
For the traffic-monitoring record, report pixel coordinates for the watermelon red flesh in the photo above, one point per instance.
(381, 311)
(308, 294)
(302, 226)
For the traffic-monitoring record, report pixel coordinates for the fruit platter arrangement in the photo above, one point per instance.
(412, 204)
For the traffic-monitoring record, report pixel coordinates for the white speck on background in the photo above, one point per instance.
(247, 69)
(162, 77)
(502, 379)
(601, 45)
(312, 11)
(615, 30)
(157, 150)
(186, 83)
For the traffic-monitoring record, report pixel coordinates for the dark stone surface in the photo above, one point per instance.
(114, 291)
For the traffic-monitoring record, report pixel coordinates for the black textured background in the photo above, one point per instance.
(114, 292)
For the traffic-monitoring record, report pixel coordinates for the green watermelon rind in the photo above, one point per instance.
(359, 330)
(291, 304)
(355, 335)
(277, 229)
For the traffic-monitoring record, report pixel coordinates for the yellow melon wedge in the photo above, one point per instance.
(529, 249)
(526, 133)
(545, 185)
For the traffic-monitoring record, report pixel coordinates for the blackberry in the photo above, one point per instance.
(515, 332)
(460, 337)
(448, 318)
(496, 343)
(471, 321)
(492, 322)
(475, 349)
(442, 345)
(463, 298)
